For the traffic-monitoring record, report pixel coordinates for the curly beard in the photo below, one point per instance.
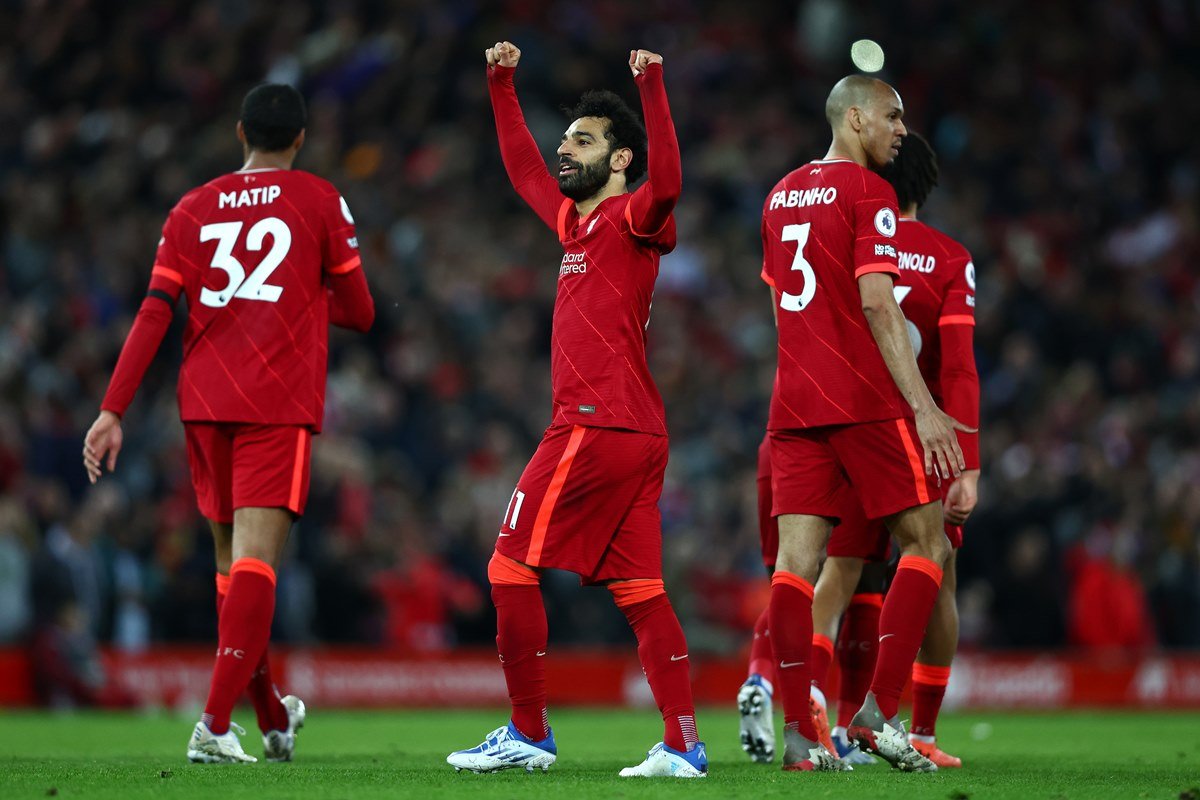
(586, 181)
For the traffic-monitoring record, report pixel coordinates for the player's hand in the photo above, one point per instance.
(640, 59)
(936, 430)
(103, 441)
(961, 497)
(504, 54)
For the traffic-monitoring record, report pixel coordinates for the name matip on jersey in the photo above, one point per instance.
(824, 226)
(251, 250)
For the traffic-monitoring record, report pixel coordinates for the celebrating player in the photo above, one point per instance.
(267, 257)
(849, 402)
(936, 292)
(588, 500)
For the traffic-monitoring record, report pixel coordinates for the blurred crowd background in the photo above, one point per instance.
(1069, 169)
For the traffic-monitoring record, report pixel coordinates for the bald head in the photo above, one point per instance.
(854, 91)
(866, 117)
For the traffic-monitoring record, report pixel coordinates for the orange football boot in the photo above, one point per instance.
(935, 754)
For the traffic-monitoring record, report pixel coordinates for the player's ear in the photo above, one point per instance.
(296, 145)
(620, 159)
(241, 132)
(854, 117)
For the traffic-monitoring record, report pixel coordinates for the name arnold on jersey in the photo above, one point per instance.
(917, 262)
(820, 195)
(259, 195)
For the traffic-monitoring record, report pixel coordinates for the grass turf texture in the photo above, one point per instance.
(402, 754)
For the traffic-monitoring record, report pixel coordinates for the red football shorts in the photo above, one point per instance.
(858, 537)
(882, 461)
(855, 536)
(587, 502)
(238, 465)
(768, 526)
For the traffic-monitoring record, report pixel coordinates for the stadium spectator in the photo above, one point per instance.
(1080, 214)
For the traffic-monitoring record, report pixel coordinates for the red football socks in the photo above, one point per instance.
(762, 663)
(791, 643)
(521, 637)
(822, 657)
(272, 716)
(902, 623)
(663, 652)
(929, 687)
(857, 645)
(244, 628)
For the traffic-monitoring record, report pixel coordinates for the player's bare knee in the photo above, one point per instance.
(222, 545)
(920, 531)
(800, 562)
(802, 540)
(261, 533)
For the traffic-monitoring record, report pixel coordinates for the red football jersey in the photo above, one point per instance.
(936, 292)
(601, 313)
(251, 250)
(610, 263)
(825, 225)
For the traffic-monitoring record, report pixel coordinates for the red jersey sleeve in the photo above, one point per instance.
(350, 303)
(875, 227)
(170, 265)
(766, 275)
(959, 377)
(522, 159)
(649, 210)
(151, 323)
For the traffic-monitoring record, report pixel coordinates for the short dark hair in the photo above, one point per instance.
(624, 127)
(914, 172)
(273, 115)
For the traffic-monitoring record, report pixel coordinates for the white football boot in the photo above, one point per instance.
(667, 762)
(506, 748)
(206, 747)
(757, 722)
(280, 745)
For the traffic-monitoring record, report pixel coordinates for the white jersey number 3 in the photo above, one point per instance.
(798, 302)
(254, 287)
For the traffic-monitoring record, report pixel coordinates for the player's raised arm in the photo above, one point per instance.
(652, 204)
(522, 160)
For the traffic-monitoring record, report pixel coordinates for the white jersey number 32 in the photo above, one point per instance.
(254, 287)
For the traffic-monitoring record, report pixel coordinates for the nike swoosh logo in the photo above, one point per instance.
(786, 664)
(541, 652)
(505, 534)
(881, 638)
(679, 658)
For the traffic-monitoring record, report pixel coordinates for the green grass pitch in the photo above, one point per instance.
(348, 755)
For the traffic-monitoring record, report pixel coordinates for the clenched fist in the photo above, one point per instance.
(505, 54)
(640, 59)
